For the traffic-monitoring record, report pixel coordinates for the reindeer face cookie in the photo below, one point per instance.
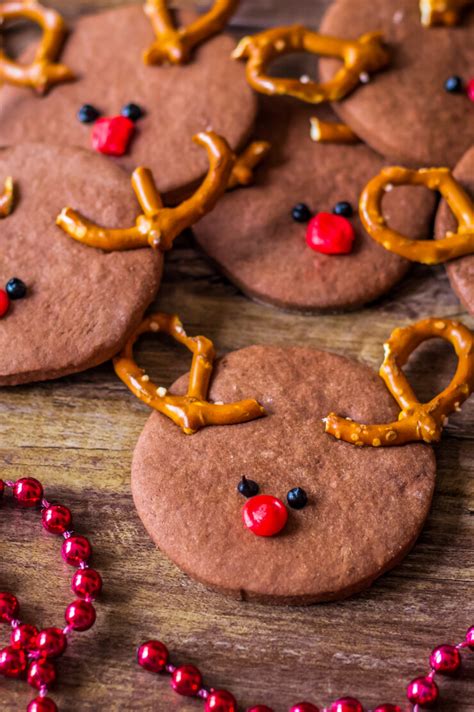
(138, 113)
(315, 518)
(409, 112)
(460, 271)
(260, 242)
(80, 304)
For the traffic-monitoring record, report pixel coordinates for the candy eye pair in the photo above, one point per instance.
(87, 114)
(301, 212)
(296, 497)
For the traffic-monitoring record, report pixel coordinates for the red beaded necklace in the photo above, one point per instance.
(186, 680)
(31, 651)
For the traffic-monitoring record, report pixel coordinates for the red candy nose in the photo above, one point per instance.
(4, 302)
(111, 135)
(330, 234)
(264, 515)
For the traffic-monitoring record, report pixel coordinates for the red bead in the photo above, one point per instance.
(2, 487)
(153, 656)
(76, 550)
(470, 637)
(56, 519)
(470, 89)
(42, 704)
(220, 701)
(24, 636)
(422, 691)
(9, 607)
(51, 642)
(445, 659)
(346, 704)
(111, 135)
(330, 234)
(186, 680)
(259, 708)
(86, 583)
(4, 302)
(41, 673)
(304, 707)
(80, 615)
(264, 515)
(28, 492)
(12, 662)
(388, 708)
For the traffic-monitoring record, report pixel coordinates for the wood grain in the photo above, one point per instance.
(77, 436)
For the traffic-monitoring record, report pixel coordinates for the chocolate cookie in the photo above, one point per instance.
(80, 303)
(405, 112)
(175, 102)
(460, 271)
(363, 509)
(254, 239)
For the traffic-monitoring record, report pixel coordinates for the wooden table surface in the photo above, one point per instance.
(77, 436)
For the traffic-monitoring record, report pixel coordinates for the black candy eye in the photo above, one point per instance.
(453, 84)
(87, 114)
(248, 488)
(301, 213)
(343, 208)
(297, 498)
(132, 112)
(15, 288)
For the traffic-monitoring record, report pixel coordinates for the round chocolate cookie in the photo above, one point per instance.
(405, 112)
(255, 240)
(460, 271)
(105, 53)
(80, 303)
(365, 506)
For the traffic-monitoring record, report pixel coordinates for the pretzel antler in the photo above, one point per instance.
(442, 12)
(245, 163)
(42, 72)
(331, 132)
(417, 421)
(158, 226)
(6, 198)
(428, 252)
(174, 46)
(366, 54)
(192, 411)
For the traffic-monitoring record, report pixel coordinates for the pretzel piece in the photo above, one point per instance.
(331, 132)
(192, 411)
(417, 421)
(174, 46)
(6, 198)
(428, 252)
(366, 54)
(42, 72)
(158, 226)
(442, 12)
(243, 170)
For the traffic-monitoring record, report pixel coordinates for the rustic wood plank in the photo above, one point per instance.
(77, 436)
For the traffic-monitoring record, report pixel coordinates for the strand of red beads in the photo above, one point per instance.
(186, 680)
(31, 651)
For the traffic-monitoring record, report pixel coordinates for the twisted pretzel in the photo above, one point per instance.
(417, 421)
(428, 252)
(246, 162)
(6, 198)
(158, 226)
(441, 12)
(366, 54)
(173, 45)
(331, 132)
(42, 72)
(192, 411)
